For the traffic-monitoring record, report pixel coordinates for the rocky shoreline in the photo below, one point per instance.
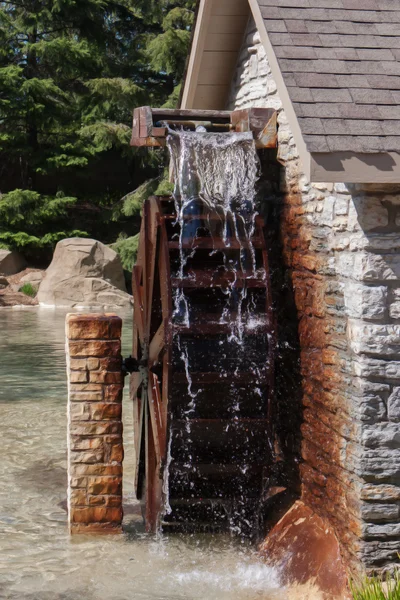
(84, 273)
(10, 296)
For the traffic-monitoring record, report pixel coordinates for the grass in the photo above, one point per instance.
(378, 588)
(28, 290)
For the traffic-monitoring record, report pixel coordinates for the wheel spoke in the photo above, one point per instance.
(138, 309)
(138, 418)
(155, 409)
(157, 344)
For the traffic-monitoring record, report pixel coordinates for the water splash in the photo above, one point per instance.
(215, 176)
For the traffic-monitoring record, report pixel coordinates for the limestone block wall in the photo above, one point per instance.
(95, 450)
(341, 246)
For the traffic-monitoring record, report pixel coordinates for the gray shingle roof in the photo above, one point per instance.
(340, 60)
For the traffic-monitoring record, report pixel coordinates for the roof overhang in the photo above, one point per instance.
(217, 39)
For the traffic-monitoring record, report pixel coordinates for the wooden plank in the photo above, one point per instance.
(228, 24)
(138, 309)
(157, 344)
(217, 68)
(211, 96)
(231, 7)
(146, 122)
(223, 42)
(192, 114)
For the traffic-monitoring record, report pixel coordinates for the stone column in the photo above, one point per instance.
(95, 450)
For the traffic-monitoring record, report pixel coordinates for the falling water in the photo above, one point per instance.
(215, 177)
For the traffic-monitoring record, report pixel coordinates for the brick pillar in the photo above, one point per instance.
(95, 450)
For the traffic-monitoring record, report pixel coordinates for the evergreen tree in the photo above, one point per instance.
(71, 72)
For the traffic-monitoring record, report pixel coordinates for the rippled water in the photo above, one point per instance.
(38, 560)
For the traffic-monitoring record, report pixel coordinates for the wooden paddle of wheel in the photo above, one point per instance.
(197, 393)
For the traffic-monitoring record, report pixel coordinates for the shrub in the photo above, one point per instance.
(28, 290)
(378, 588)
(127, 248)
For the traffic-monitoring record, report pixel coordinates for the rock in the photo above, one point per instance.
(84, 273)
(305, 549)
(3, 283)
(368, 338)
(394, 405)
(33, 277)
(363, 302)
(380, 513)
(11, 262)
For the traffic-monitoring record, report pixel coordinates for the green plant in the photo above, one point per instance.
(127, 247)
(378, 588)
(28, 290)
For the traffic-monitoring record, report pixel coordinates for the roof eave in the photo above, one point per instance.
(352, 167)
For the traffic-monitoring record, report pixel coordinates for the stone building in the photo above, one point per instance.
(331, 69)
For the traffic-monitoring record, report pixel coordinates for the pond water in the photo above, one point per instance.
(38, 559)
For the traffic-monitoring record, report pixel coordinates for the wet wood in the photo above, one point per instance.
(155, 345)
(149, 128)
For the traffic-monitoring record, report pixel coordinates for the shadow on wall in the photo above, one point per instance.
(288, 395)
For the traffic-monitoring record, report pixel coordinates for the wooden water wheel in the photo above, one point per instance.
(202, 401)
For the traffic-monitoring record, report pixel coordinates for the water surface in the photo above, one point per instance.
(38, 559)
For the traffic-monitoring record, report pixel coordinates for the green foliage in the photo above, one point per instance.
(70, 75)
(28, 290)
(127, 248)
(376, 588)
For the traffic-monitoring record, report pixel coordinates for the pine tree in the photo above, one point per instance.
(71, 72)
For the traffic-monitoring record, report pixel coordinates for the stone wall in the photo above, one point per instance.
(95, 450)
(341, 248)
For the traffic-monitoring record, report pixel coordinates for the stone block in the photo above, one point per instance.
(93, 364)
(393, 406)
(78, 376)
(109, 363)
(79, 411)
(86, 396)
(341, 206)
(106, 411)
(374, 512)
(94, 348)
(78, 364)
(100, 428)
(363, 302)
(371, 213)
(96, 515)
(386, 493)
(374, 368)
(105, 485)
(78, 497)
(93, 326)
(394, 309)
(79, 443)
(100, 470)
(87, 457)
(117, 453)
(369, 338)
(78, 482)
(382, 435)
(113, 393)
(106, 377)
(380, 464)
(390, 530)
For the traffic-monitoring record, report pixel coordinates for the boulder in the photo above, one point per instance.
(84, 273)
(11, 262)
(33, 277)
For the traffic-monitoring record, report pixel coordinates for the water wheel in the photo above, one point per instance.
(202, 399)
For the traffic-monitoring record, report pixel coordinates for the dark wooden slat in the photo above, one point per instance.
(217, 244)
(217, 378)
